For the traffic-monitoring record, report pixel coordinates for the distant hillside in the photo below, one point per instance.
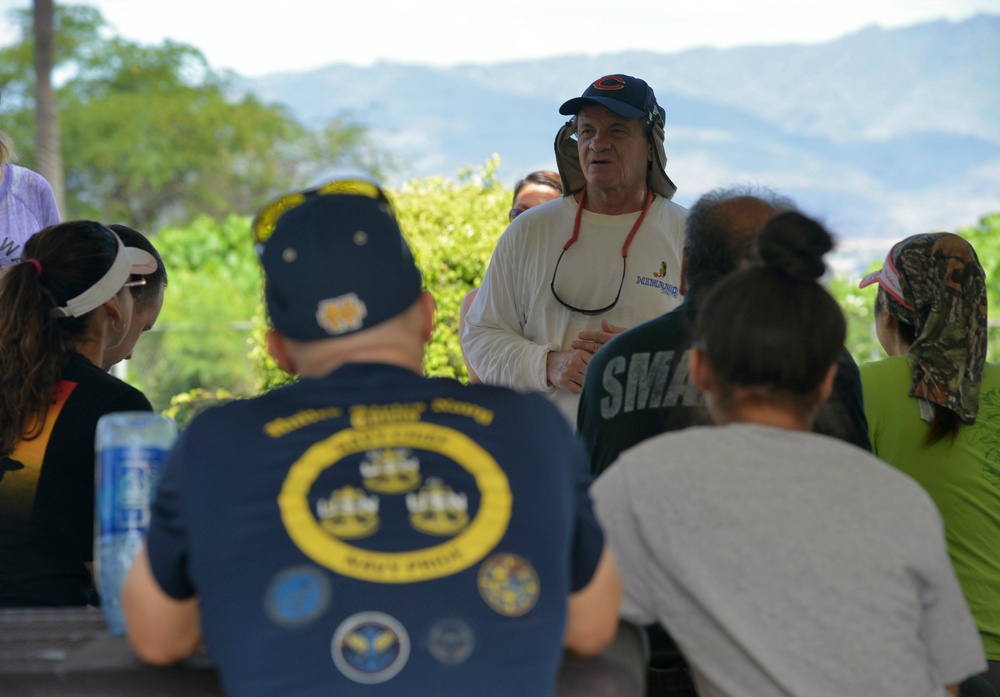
(882, 133)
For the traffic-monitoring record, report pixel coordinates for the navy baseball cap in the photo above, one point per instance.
(630, 98)
(335, 261)
(627, 96)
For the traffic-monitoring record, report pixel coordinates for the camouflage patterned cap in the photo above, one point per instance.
(940, 289)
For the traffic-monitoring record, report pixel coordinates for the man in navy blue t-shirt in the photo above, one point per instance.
(368, 530)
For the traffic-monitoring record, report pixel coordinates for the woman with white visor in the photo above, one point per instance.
(63, 308)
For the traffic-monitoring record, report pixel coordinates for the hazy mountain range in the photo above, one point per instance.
(882, 133)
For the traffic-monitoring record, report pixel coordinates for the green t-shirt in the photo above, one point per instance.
(963, 478)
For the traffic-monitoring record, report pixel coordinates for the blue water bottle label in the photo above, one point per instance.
(127, 478)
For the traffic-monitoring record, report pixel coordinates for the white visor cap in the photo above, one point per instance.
(128, 261)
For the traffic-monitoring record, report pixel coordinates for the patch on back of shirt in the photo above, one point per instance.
(297, 596)
(345, 501)
(451, 641)
(509, 584)
(370, 647)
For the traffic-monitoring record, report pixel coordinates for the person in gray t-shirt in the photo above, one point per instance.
(783, 562)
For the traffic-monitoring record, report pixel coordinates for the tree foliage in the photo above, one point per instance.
(153, 135)
(452, 228)
(985, 239)
(201, 338)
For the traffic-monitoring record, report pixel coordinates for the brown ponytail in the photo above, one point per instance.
(34, 345)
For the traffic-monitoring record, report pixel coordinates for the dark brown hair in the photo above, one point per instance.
(541, 177)
(772, 328)
(35, 346)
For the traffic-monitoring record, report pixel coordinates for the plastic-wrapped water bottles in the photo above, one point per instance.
(131, 447)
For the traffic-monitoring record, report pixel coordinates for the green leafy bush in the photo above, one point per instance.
(201, 337)
(452, 227)
(185, 406)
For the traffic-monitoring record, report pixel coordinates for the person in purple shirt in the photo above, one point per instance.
(27, 204)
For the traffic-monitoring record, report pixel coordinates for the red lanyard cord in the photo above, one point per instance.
(628, 240)
(625, 246)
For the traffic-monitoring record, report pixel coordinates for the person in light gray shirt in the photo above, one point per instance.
(783, 562)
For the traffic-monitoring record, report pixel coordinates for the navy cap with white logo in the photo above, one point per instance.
(335, 262)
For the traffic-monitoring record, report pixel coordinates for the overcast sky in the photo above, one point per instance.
(254, 37)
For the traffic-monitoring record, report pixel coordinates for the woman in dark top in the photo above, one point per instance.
(63, 309)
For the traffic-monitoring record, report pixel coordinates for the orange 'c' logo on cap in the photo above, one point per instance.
(609, 82)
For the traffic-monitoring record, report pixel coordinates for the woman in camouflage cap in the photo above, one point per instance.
(933, 406)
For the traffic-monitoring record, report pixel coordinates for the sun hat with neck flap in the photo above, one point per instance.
(630, 98)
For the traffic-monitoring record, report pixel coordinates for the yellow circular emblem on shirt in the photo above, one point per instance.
(509, 584)
(457, 554)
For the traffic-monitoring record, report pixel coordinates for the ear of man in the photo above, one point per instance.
(278, 350)
(295, 357)
(825, 387)
(700, 370)
(428, 311)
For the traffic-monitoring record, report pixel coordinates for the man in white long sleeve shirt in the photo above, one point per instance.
(569, 274)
